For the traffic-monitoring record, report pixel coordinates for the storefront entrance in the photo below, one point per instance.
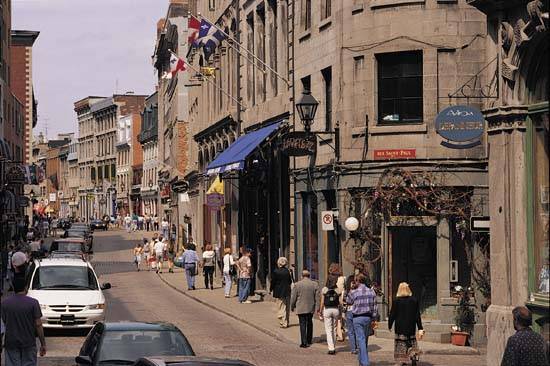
(414, 260)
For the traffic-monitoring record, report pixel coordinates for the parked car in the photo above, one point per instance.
(123, 343)
(68, 292)
(69, 245)
(189, 361)
(80, 233)
(98, 224)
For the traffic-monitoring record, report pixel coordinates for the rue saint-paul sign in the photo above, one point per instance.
(299, 143)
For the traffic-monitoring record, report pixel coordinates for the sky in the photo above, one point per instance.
(87, 47)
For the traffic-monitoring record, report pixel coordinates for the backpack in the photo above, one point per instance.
(332, 299)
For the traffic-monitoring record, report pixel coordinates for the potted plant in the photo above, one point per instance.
(464, 318)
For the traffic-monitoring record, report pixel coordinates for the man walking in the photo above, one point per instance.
(160, 250)
(364, 310)
(281, 282)
(525, 348)
(305, 301)
(244, 265)
(22, 318)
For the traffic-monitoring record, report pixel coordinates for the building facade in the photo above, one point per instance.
(73, 180)
(145, 193)
(129, 160)
(518, 136)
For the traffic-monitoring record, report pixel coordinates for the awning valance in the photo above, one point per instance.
(234, 156)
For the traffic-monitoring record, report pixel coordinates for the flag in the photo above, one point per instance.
(210, 37)
(176, 64)
(193, 26)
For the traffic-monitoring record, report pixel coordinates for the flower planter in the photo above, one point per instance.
(459, 338)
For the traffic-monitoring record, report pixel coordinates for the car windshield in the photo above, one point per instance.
(131, 345)
(64, 277)
(66, 246)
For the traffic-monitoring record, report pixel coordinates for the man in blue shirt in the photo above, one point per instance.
(190, 261)
(364, 310)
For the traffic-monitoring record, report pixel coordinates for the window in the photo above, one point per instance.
(326, 10)
(400, 87)
(306, 83)
(306, 14)
(211, 4)
(327, 78)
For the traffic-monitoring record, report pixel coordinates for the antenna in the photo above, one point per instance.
(116, 86)
(46, 119)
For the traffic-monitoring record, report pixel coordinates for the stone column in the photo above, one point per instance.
(507, 185)
(443, 275)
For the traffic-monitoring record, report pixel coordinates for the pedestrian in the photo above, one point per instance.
(141, 222)
(281, 284)
(190, 262)
(19, 265)
(405, 313)
(138, 252)
(244, 265)
(147, 253)
(155, 223)
(525, 347)
(147, 222)
(335, 270)
(305, 301)
(165, 226)
(349, 285)
(160, 252)
(208, 263)
(330, 310)
(22, 318)
(228, 271)
(128, 223)
(170, 255)
(363, 306)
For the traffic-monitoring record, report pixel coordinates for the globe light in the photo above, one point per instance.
(351, 224)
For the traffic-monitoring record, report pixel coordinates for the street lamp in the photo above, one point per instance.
(307, 107)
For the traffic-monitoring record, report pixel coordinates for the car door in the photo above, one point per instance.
(90, 345)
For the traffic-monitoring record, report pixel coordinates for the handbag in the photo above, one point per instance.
(232, 270)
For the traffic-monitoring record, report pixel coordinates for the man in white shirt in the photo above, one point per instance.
(159, 248)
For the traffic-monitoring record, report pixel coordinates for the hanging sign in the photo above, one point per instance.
(299, 143)
(214, 200)
(463, 124)
(327, 219)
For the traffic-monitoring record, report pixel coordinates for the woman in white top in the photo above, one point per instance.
(209, 263)
(228, 265)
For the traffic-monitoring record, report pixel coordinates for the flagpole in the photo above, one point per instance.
(250, 53)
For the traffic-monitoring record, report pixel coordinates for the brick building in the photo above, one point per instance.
(129, 156)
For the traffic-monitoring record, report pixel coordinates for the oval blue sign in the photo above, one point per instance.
(460, 123)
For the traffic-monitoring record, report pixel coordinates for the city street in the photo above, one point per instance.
(144, 297)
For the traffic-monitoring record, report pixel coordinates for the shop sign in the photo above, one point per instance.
(214, 200)
(388, 154)
(299, 143)
(480, 224)
(463, 124)
(52, 197)
(327, 220)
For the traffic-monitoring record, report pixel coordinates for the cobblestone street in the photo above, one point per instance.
(144, 296)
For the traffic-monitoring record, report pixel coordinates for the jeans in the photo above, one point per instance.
(209, 277)
(228, 282)
(361, 325)
(283, 312)
(244, 289)
(306, 328)
(190, 270)
(351, 331)
(165, 233)
(21, 356)
(330, 316)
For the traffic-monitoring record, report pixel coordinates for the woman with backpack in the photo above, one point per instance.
(330, 310)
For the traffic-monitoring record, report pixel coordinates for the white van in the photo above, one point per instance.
(68, 292)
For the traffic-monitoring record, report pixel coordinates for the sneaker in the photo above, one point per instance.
(332, 352)
(227, 296)
(194, 288)
(247, 302)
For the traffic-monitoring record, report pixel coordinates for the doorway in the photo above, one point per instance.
(414, 260)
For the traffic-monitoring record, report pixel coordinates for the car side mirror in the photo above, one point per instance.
(83, 360)
(106, 286)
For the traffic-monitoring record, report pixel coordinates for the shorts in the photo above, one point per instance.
(159, 256)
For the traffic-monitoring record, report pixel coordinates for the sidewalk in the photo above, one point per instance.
(261, 315)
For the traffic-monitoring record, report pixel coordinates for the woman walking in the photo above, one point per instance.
(330, 310)
(335, 270)
(228, 271)
(138, 251)
(209, 263)
(171, 254)
(190, 262)
(405, 313)
(350, 285)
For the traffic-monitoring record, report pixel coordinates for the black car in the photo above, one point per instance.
(189, 361)
(98, 224)
(112, 344)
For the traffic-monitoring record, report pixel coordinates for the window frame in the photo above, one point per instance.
(397, 59)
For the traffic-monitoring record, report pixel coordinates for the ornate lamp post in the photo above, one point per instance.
(307, 107)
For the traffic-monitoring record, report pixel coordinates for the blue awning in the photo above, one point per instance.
(234, 156)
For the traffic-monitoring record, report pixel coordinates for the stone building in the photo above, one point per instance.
(381, 71)
(146, 191)
(73, 183)
(22, 42)
(518, 138)
(129, 156)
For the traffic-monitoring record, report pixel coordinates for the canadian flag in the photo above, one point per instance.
(193, 26)
(176, 64)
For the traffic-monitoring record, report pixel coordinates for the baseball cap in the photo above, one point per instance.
(18, 259)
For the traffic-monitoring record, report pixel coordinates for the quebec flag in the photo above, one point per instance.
(210, 37)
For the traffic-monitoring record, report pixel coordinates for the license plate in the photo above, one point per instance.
(67, 319)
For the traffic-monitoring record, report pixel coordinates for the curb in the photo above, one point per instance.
(253, 325)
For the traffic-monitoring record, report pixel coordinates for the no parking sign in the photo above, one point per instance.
(327, 219)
